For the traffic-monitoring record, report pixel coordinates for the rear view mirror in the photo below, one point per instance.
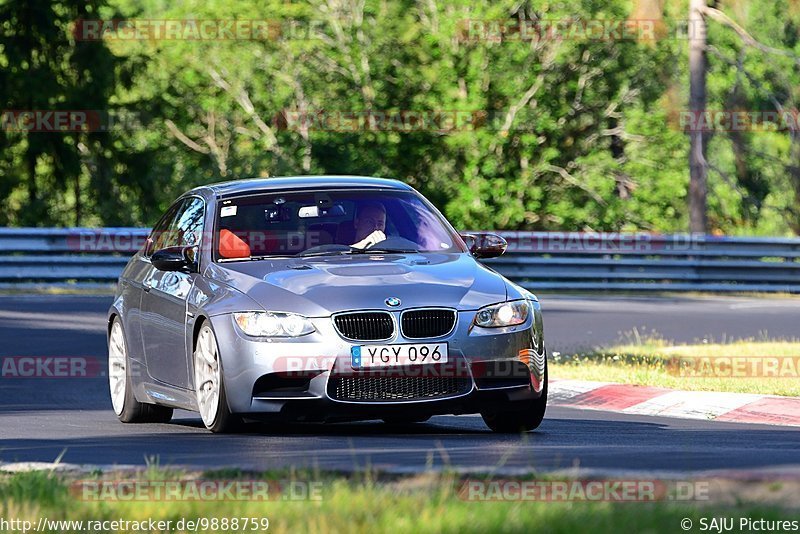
(308, 211)
(329, 210)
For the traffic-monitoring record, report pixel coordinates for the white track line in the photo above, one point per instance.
(692, 404)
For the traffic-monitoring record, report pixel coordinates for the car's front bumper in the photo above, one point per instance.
(294, 378)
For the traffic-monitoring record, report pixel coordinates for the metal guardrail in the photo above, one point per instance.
(536, 260)
(66, 257)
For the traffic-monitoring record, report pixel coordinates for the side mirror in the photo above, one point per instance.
(485, 244)
(175, 259)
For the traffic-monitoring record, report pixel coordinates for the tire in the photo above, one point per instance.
(209, 384)
(519, 416)
(405, 419)
(120, 385)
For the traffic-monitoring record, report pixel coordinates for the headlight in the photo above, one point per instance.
(503, 314)
(273, 324)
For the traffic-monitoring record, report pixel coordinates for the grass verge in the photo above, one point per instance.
(370, 503)
(762, 367)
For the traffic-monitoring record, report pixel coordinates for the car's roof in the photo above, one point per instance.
(240, 187)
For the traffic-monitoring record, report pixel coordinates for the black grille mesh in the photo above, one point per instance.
(365, 326)
(418, 324)
(377, 388)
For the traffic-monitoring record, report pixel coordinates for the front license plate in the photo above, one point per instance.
(394, 355)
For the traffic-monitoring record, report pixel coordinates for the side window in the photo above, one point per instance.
(181, 226)
(189, 223)
(161, 230)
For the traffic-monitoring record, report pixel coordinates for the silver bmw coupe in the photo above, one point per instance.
(321, 298)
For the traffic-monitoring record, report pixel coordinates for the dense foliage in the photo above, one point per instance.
(574, 133)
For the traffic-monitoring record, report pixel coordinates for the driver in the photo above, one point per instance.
(369, 224)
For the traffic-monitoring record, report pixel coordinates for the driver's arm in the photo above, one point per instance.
(375, 237)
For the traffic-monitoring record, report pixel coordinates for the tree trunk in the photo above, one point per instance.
(697, 103)
(794, 175)
(30, 161)
(78, 206)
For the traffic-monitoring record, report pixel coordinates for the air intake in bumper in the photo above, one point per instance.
(396, 388)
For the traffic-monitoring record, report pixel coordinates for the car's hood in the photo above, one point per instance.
(320, 286)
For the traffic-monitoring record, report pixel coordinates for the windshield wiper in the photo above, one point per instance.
(269, 257)
(322, 253)
(379, 250)
(352, 251)
(373, 250)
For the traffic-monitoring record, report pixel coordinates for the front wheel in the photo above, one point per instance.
(210, 386)
(518, 416)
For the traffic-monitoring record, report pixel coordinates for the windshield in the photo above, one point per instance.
(329, 223)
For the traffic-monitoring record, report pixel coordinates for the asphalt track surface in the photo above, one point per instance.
(42, 419)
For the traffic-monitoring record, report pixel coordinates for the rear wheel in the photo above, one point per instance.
(125, 405)
(518, 416)
(210, 386)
